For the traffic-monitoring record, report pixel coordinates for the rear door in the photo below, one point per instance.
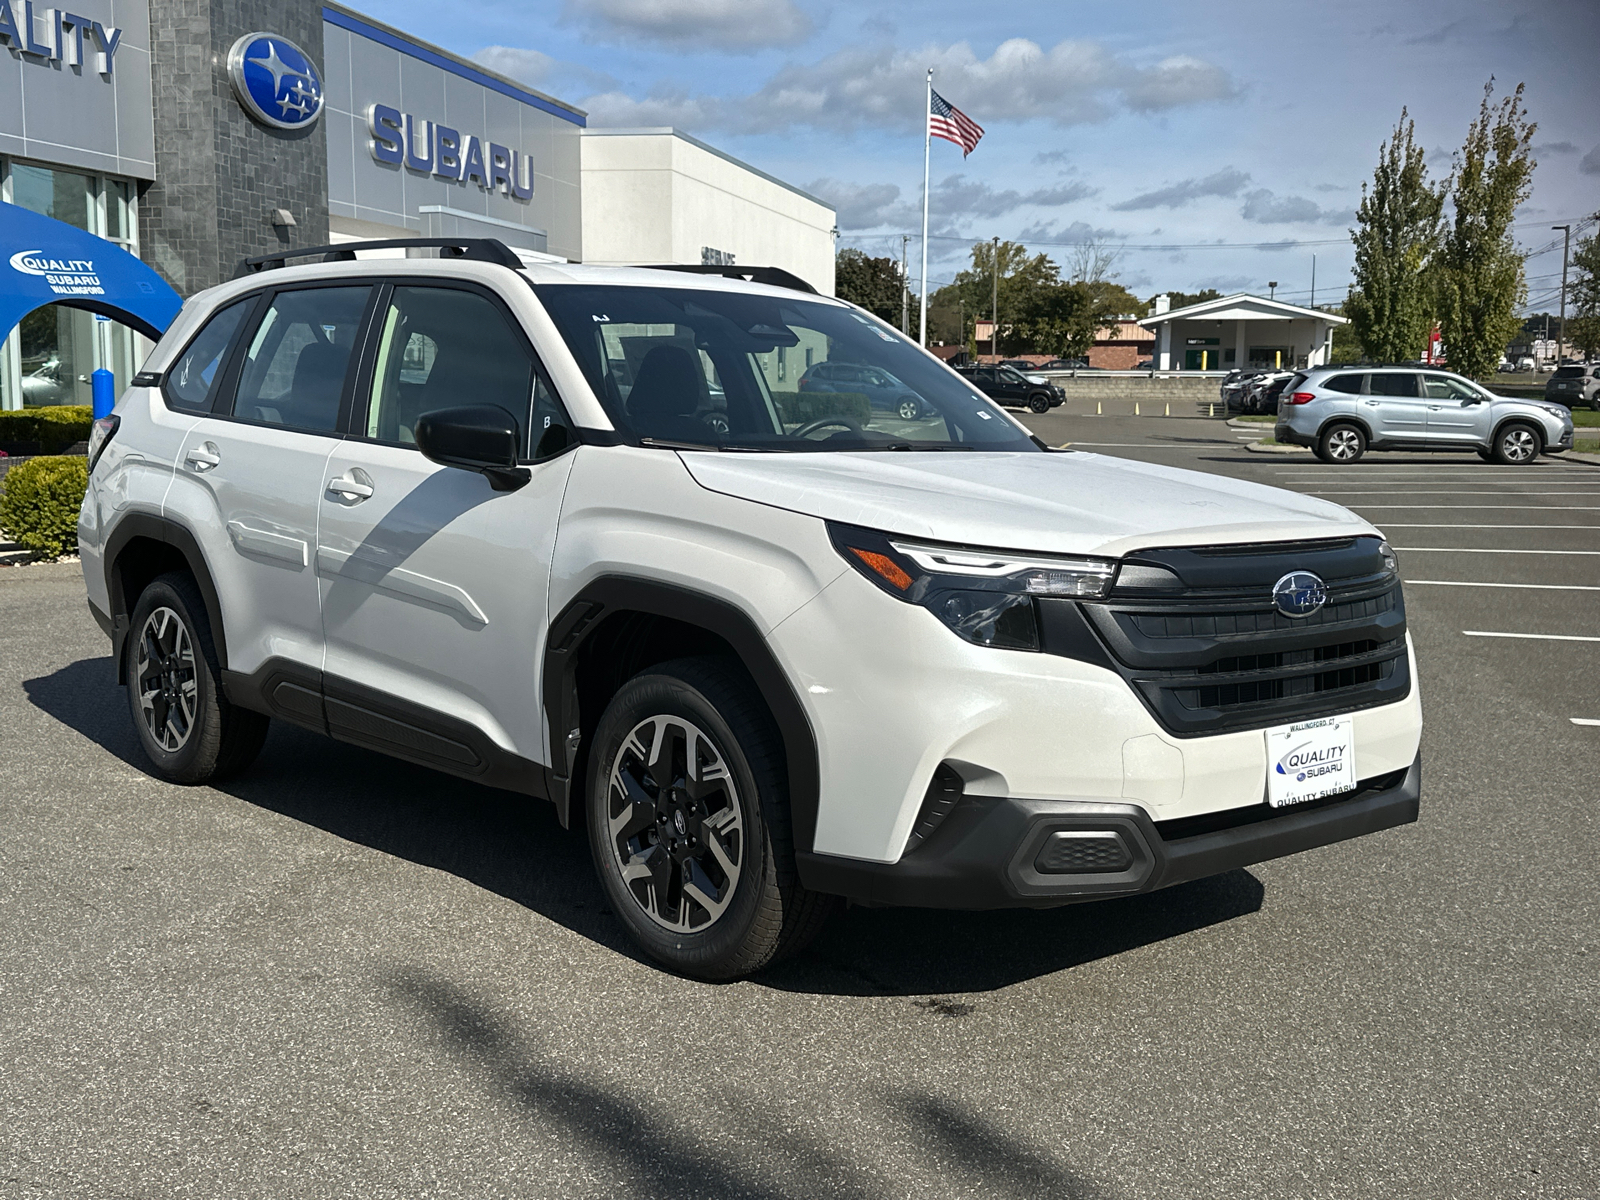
(250, 473)
(1456, 412)
(1395, 406)
(433, 584)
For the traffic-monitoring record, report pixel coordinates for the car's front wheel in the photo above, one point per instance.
(910, 410)
(1517, 444)
(689, 823)
(1039, 403)
(1342, 443)
(189, 730)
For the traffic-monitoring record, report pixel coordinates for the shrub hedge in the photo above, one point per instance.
(53, 428)
(40, 502)
(799, 408)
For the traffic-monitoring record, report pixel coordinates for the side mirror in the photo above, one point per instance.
(481, 438)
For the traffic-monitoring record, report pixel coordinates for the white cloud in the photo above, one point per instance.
(1078, 231)
(1590, 163)
(662, 107)
(1555, 148)
(724, 24)
(1266, 207)
(862, 205)
(537, 69)
(1072, 83)
(1229, 181)
(875, 205)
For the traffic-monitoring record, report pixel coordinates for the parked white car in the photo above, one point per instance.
(483, 518)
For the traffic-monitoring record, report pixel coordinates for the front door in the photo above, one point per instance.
(250, 472)
(1456, 412)
(1396, 409)
(433, 584)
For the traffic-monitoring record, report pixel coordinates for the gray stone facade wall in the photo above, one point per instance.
(220, 175)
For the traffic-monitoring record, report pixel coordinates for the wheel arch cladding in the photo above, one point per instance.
(1527, 422)
(142, 547)
(620, 625)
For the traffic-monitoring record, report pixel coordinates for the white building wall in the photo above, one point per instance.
(657, 195)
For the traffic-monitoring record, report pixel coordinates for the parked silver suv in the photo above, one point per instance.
(1342, 412)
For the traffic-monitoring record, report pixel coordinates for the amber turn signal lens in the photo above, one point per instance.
(883, 566)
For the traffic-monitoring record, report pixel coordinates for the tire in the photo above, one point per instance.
(655, 833)
(1038, 403)
(189, 730)
(1517, 444)
(910, 410)
(1341, 443)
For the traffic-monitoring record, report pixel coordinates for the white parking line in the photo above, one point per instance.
(1532, 637)
(1583, 721)
(1488, 507)
(1396, 525)
(1466, 550)
(1542, 587)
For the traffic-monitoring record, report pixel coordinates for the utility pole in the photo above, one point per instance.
(1566, 244)
(994, 332)
(905, 288)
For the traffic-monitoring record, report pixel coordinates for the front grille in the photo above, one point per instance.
(1210, 653)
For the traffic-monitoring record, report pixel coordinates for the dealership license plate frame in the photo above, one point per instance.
(1310, 760)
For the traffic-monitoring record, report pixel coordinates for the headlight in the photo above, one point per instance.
(985, 596)
(1391, 562)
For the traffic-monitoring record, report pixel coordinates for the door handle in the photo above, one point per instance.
(1435, 408)
(350, 489)
(203, 458)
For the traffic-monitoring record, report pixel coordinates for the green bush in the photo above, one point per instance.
(54, 427)
(40, 503)
(801, 408)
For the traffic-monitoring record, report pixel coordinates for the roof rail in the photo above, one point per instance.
(771, 276)
(491, 250)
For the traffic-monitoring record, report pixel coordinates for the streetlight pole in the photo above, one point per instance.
(1272, 289)
(905, 288)
(994, 333)
(1566, 244)
(1313, 281)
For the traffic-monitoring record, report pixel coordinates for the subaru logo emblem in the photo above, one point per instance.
(1299, 594)
(275, 81)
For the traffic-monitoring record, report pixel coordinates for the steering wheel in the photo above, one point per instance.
(811, 427)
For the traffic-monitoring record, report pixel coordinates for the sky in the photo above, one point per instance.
(1218, 145)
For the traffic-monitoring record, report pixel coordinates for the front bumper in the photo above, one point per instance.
(988, 852)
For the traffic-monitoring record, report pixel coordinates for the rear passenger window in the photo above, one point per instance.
(1350, 384)
(294, 370)
(1397, 384)
(192, 382)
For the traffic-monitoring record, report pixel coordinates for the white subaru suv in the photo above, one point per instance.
(575, 532)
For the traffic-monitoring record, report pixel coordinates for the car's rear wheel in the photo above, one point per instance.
(1342, 443)
(1039, 403)
(188, 729)
(910, 410)
(689, 824)
(1517, 444)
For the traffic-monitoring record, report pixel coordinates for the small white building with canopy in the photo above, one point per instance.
(1240, 331)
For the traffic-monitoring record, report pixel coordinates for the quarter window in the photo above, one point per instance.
(192, 382)
(294, 370)
(1349, 384)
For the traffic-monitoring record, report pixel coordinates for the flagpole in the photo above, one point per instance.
(927, 142)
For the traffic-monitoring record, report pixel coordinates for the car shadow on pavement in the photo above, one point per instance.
(659, 1147)
(513, 846)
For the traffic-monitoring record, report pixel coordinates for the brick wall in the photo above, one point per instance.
(219, 174)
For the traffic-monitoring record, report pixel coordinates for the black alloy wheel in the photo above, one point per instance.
(1341, 443)
(1517, 445)
(189, 730)
(1038, 403)
(689, 826)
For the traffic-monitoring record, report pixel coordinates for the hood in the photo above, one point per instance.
(1059, 503)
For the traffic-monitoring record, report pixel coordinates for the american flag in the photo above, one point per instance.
(947, 121)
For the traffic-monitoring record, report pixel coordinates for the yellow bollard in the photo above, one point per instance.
(1097, 411)
(1169, 408)
(1136, 408)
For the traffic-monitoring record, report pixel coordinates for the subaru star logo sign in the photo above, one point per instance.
(1299, 594)
(275, 81)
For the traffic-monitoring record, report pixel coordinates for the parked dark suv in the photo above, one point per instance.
(1575, 384)
(1008, 386)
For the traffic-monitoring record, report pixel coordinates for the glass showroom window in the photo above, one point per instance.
(51, 354)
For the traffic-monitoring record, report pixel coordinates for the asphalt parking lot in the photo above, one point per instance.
(343, 976)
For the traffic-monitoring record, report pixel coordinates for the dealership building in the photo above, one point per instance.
(195, 133)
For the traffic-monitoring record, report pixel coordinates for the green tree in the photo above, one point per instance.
(1399, 224)
(1583, 295)
(1039, 314)
(873, 283)
(1480, 275)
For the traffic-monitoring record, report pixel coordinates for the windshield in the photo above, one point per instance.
(736, 371)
